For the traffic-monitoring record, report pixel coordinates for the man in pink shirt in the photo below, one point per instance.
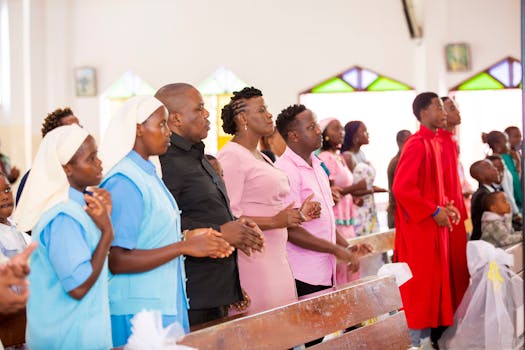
(313, 247)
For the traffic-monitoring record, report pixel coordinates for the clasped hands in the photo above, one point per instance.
(352, 253)
(294, 217)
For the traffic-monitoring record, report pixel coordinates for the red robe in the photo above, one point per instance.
(420, 242)
(458, 237)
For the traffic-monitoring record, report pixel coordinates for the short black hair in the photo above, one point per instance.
(400, 136)
(475, 169)
(511, 128)
(236, 106)
(286, 119)
(53, 119)
(490, 200)
(422, 101)
(494, 157)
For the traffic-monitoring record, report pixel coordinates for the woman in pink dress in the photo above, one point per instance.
(257, 189)
(341, 177)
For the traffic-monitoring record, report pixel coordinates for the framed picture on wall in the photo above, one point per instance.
(458, 57)
(85, 81)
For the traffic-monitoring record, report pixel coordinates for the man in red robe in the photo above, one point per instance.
(459, 274)
(422, 223)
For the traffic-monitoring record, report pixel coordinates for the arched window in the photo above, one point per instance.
(127, 86)
(488, 100)
(383, 103)
(217, 91)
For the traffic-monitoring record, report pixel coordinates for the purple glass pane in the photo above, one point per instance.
(367, 78)
(501, 72)
(351, 77)
(516, 71)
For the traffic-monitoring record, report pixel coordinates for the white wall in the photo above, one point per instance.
(281, 47)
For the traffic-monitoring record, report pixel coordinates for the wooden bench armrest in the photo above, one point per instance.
(381, 242)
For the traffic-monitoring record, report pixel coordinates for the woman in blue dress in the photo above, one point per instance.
(146, 258)
(68, 307)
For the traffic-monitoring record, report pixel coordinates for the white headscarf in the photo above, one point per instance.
(47, 183)
(119, 137)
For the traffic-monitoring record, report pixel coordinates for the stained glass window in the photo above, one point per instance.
(504, 74)
(217, 90)
(358, 79)
(127, 86)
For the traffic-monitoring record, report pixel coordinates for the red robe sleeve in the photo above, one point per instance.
(407, 188)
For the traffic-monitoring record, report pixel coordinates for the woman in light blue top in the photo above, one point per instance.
(68, 307)
(146, 257)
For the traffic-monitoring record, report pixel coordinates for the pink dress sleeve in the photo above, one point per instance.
(234, 176)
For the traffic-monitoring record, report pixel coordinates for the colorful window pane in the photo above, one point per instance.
(217, 91)
(222, 81)
(517, 73)
(501, 72)
(351, 77)
(333, 85)
(358, 79)
(504, 74)
(368, 77)
(386, 84)
(127, 86)
(482, 81)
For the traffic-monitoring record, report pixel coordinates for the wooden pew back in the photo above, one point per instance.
(381, 242)
(314, 317)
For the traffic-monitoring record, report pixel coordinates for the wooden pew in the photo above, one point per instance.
(13, 328)
(381, 242)
(315, 316)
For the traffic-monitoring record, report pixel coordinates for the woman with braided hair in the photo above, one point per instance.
(257, 190)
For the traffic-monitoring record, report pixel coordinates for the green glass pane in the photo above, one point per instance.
(145, 89)
(481, 81)
(118, 90)
(210, 86)
(332, 85)
(386, 84)
(127, 86)
(222, 81)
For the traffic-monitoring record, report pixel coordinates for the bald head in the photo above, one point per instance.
(172, 95)
(187, 115)
(484, 171)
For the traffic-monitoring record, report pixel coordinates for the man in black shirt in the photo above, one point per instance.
(201, 195)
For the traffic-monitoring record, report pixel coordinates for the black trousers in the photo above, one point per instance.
(304, 289)
(206, 315)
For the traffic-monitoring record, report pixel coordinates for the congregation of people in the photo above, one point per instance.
(148, 221)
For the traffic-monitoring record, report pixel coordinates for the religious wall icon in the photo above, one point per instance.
(85, 81)
(458, 57)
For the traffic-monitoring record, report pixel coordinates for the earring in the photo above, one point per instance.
(245, 127)
(327, 138)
